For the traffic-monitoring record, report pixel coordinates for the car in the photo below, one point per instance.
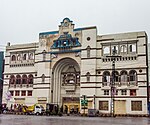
(93, 112)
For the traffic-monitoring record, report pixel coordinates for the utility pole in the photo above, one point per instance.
(94, 102)
(84, 103)
(112, 89)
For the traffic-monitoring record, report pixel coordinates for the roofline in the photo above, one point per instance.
(77, 29)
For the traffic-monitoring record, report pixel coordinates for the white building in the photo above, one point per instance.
(69, 63)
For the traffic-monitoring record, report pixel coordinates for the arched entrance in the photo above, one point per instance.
(66, 85)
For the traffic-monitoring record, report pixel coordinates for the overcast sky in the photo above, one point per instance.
(21, 21)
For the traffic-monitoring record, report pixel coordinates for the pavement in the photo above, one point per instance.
(7, 119)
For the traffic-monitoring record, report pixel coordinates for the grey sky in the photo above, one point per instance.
(21, 21)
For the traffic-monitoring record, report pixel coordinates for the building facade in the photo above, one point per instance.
(69, 63)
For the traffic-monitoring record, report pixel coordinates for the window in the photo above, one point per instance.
(17, 93)
(132, 48)
(43, 78)
(132, 92)
(12, 93)
(88, 77)
(103, 105)
(24, 79)
(44, 55)
(29, 93)
(106, 50)
(18, 79)
(116, 93)
(23, 93)
(115, 76)
(106, 78)
(124, 92)
(19, 57)
(106, 92)
(123, 49)
(30, 79)
(136, 105)
(12, 79)
(13, 58)
(114, 50)
(124, 77)
(24, 56)
(31, 56)
(88, 52)
(132, 77)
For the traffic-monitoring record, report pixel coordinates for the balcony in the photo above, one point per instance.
(119, 84)
(20, 63)
(21, 85)
(132, 83)
(106, 84)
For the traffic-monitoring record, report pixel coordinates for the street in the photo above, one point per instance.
(70, 120)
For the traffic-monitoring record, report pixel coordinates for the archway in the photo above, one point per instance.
(65, 85)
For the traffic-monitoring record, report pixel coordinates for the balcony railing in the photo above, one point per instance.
(20, 85)
(130, 83)
(133, 83)
(19, 63)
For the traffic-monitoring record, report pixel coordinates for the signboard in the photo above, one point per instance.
(8, 95)
(84, 102)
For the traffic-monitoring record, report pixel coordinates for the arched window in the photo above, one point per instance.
(18, 79)
(124, 77)
(44, 55)
(88, 51)
(24, 79)
(30, 79)
(114, 49)
(123, 49)
(132, 48)
(43, 78)
(106, 78)
(18, 57)
(115, 76)
(88, 77)
(132, 77)
(13, 58)
(106, 50)
(24, 56)
(12, 79)
(31, 56)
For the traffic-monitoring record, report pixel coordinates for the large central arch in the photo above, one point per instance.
(65, 82)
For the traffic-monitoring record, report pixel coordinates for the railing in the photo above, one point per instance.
(19, 63)
(106, 83)
(131, 83)
(20, 85)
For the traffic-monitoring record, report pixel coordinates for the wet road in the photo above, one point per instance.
(70, 120)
